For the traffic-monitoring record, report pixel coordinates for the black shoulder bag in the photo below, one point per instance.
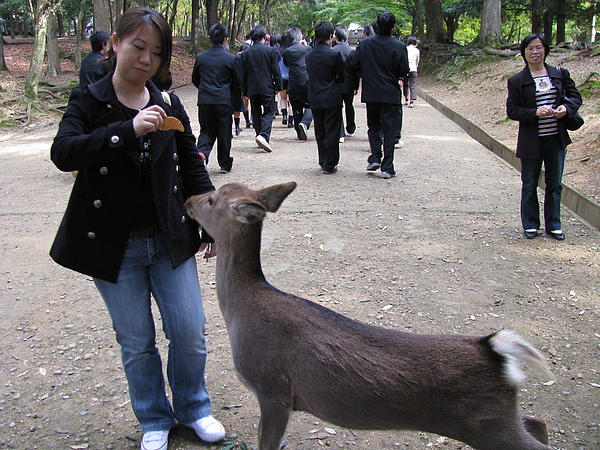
(575, 121)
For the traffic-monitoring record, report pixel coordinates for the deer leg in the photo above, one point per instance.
(536, 428)
(510, 434)
(274, 417)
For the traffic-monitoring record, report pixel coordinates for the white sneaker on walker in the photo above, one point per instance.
(155, 440)
(208, 429)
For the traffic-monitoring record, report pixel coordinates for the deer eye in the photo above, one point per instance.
(211, 200)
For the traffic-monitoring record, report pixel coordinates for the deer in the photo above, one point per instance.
(297, 355)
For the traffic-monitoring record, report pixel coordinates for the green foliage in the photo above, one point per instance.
(590, 89)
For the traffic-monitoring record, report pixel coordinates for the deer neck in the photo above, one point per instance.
(238, 259)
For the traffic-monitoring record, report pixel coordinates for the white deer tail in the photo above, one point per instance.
(516, 349)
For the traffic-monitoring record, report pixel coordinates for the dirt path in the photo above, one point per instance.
(436, 250)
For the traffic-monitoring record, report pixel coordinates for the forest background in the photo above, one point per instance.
(45, 41)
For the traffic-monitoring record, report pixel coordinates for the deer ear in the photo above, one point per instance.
(272, 197)
(249, 212)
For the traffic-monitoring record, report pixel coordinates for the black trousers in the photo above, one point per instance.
(263, 113)
(300, 109)
(215, 125)
(383, 123)
(348, 98)
(328, 122)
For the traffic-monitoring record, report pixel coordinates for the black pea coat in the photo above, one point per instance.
(345, 50)
(326, 74)
(96, 139)
(216, 75)
(521, 106)
(380, 61)
(294, 58)
(260, 70)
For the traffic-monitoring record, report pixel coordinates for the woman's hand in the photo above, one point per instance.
(561, 111)
(148, 120)
(544, 111)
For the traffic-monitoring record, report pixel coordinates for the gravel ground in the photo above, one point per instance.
(436, 250)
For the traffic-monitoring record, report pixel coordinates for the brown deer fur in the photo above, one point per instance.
(297, 355)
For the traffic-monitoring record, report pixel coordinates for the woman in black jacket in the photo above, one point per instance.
(126, 224)
(540, 97)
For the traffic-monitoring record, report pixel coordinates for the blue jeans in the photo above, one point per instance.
(147, 269)
(552, 156)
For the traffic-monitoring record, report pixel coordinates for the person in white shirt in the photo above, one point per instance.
(410, 83)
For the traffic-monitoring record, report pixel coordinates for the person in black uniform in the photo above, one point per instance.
(293, 57)
(347, 89)
(261, 79)
(386, 59)
(326, 73)
(95, 65)
(216, 76)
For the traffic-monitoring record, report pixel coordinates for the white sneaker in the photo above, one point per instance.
(262, 143)
(208, 429)
(342, 140)
(302, 131)
(399, 144)
(155, 440)
(349, 134)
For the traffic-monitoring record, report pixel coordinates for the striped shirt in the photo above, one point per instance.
(545, 94)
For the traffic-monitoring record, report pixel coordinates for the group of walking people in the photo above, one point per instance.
(320, 81)
(126, 224)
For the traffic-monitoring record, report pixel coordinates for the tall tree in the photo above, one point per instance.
(194, 26)
(102, 16)
(212, 6)
(537, 14)
(434, 21)
(53, 67)
(418, 28)
(490, 33)
(43, 9)
(561, 19)
(2, 60)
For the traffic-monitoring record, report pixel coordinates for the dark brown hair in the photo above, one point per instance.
(131, 20)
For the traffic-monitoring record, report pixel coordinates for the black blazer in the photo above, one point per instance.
(326, 74)
(345, 50)
(216, 75)
(95, 138)
(521, 106)
(293, 57)
(93, 67)
(260, 70)
(381, 61)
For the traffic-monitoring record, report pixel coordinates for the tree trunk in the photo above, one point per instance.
(194, 26)
(490, 33)
(561, 18)
(78, 37)
(53, 67)
(418, 26)
(451, 27)
(36, 65)
(60, 26)
(2, 60)
(547, 20)
(117, 15)
(434, 21)
(102, 16)
(173, 13)
(537, 12)
(211, 12)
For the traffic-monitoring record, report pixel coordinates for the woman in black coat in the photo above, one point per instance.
(126, 224)
(540, 97)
